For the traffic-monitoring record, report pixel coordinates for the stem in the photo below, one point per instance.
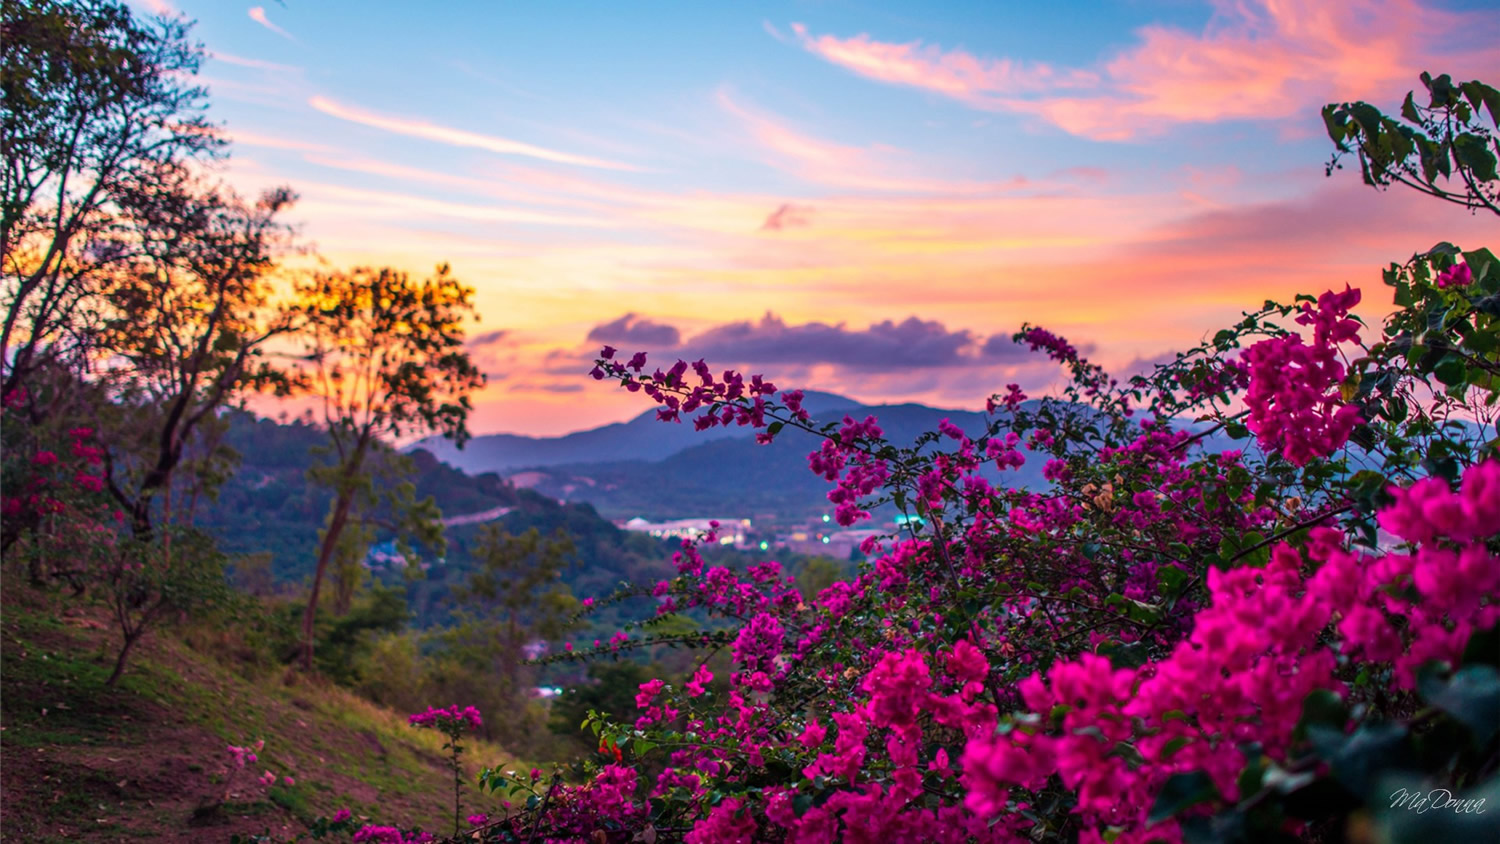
(130, 640)
(457, 784)
(541, 811)
(1289, 531)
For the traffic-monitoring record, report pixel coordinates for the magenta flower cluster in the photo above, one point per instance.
(1294, 400)
(450, 720)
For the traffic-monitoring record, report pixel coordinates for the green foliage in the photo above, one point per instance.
(179, 571)
(1447, 137)
(609, 690)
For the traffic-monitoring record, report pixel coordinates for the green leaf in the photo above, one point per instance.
(1171, 577)
(1483, 648)
(1409, 110)
(1471, 695)
(1322, 707)
(1357, 760)
(1472, 152)
(1337, 125)
(1182, 791)
(1124, 654)
(1450, 370)
(1477, 92)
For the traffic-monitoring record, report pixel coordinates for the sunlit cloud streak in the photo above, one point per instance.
(458, 137)
(955, 73)
(255, 139)
(258, 64)
(362, 202)
(258, 14)
(158, 7)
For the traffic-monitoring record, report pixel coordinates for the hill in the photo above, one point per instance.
(642, 438)
(269, 506)
(141, 761)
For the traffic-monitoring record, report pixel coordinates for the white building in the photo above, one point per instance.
(730, 531)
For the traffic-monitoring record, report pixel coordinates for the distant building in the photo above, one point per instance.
(730, 531)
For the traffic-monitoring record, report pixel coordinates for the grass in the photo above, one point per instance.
(142, 760)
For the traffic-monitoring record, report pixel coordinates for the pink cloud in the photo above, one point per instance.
(955, 73)
(258, 14)
(1254, 60)
(788, 215)
(258, 64)
(255, 139)
(879, 167)
(458, 137)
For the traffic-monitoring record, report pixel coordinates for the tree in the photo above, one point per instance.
(518, 589)
(95, 103)
(145, 579)
(137, 289)
(384, 359)
(188, 324)
(513, 599)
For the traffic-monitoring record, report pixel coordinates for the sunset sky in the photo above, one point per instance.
(850, 196)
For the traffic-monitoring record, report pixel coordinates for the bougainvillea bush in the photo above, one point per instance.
(1257, 601)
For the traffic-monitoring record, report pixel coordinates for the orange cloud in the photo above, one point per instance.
(1254, 60)
(458, 137)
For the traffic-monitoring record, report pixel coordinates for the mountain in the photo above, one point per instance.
(642, 438)
(729, 474)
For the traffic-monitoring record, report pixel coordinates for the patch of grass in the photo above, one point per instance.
(292, 799)
(164, 729)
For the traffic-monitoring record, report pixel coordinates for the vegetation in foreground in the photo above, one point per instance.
(149, 759)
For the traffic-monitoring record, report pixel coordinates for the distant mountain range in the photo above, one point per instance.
(659, 470)
(642, 438)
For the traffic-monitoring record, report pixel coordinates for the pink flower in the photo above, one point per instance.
(699, 682)
(451, 720)
(1458, 275)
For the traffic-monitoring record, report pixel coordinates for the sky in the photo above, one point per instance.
(860, 197)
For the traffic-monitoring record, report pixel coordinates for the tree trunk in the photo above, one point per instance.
(130, 641)
(330, 541)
